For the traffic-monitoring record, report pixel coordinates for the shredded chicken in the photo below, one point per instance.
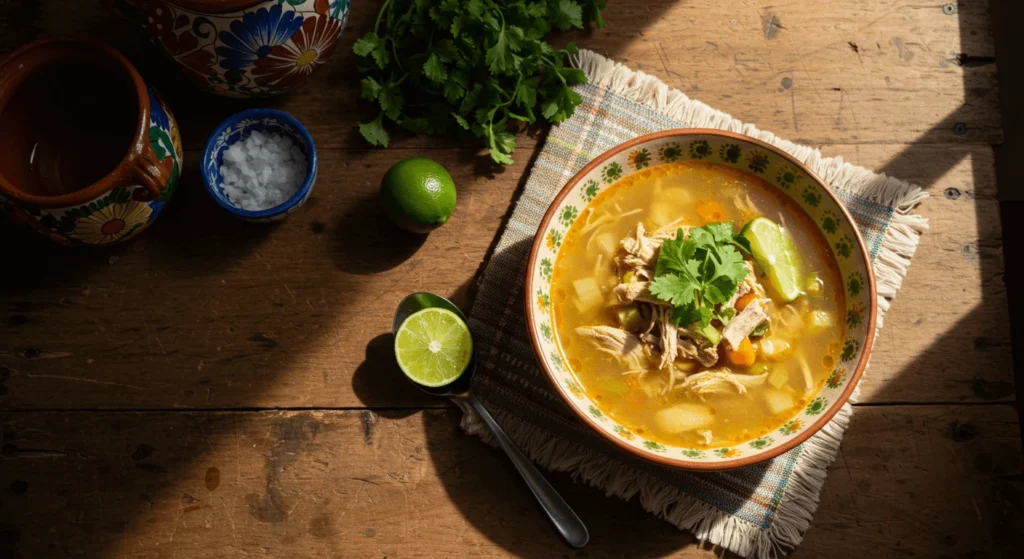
(721, 381)
(669, 338)
(637, 291)
(616, 342)
(706, 433)
(746, 322)
(696, 347)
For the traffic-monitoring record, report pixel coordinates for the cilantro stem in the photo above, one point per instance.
(380, 14)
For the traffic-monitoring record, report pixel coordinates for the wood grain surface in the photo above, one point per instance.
(222, 389)
(938, 480)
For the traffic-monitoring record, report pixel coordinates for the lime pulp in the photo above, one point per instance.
(433, 347)
(773, 250)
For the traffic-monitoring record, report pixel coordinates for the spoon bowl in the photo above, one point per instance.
(568, 525)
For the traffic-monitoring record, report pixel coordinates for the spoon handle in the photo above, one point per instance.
(571, 528)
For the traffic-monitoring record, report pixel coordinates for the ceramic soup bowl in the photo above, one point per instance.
(750, 156)
(117, 133)
(242, 48)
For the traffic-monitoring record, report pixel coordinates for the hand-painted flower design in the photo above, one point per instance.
(787, 177)
(292, 61)
(545, 331)
(556, 360)
(727, 452)
(654, 447)
(638, 159)
(817, 406)
(175, 35)
(574, 388)
(757, 162)
(568, 215)
(693, 453)
(829, 222)
(112, 223)
(792, 426)
(611, 172)
(850, 348)
(671, 152)
(545, 269)
(812, 197)
(855, 316)
(156, 110)
(339, 9)
(836, 378)
(554, 239)
(255, 35)
(761, 442)
(844, 247)
(622, 432)
(855, 284)
(596, 413)
(589, 190)
(699, 149)
(730, 153)
(543, 300)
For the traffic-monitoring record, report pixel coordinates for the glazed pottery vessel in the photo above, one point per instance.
(239, 126)
(643, 155)
(133, 192)
(242, 48)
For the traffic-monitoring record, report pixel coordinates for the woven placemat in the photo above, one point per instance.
(758, 511)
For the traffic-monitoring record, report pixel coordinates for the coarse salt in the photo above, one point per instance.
(262, 171)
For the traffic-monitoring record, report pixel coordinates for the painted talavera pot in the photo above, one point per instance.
(242, 48)
(132, 194)
(795, 181)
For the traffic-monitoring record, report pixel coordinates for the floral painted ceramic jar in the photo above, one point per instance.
(118, 201)
(243, 48)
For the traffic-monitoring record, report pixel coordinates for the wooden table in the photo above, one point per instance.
(219, 389)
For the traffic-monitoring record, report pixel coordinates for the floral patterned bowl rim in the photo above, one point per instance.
(218, 141)
(54, 49)
(651, 450)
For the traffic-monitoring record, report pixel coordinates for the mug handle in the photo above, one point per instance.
(146, 169)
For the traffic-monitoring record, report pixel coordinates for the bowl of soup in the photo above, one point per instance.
(701, 299)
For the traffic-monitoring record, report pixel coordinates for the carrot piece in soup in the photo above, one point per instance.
(742, 357)
(710, 211)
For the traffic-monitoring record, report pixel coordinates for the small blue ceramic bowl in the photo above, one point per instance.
(235, 128)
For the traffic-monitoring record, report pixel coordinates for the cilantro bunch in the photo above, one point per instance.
(700, 272)
(432, 66)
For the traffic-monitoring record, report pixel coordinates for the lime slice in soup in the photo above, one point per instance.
(433, 347)
(775, 253)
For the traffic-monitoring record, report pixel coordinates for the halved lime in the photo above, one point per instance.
(774, 251)
(433, 347)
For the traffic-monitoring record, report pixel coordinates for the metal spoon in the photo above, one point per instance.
(569, 526)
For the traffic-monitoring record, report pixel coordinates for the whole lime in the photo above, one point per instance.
(418, 194)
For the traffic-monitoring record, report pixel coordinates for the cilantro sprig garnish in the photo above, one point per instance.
(432, 66)
(699, 272)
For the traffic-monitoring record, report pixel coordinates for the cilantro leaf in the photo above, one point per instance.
(374, 131)
(370, 89)
(567, 14)
(675, 288)
(434, 69)
(366, 44)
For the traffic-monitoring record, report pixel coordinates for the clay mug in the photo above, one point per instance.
(89, 153)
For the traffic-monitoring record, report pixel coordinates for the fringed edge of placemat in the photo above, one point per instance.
(800, 496)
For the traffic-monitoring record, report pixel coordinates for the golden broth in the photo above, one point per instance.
(699, 193)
